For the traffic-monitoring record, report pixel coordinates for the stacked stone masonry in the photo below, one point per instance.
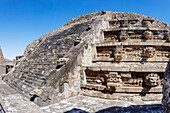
(5, 65)
(105, 54)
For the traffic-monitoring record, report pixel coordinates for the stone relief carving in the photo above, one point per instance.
(149, 52)
(146, 22)
(114, 77)
(148, 35)
(134, 82)
(119, 53)
(123, 36)
(61, 62)
(152, 80)
(133, 47)
(121, 79)
(104, 55)
(113, 38)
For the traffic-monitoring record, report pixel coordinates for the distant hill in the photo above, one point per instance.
(7, 60)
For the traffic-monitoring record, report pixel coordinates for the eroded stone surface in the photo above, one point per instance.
(14, 102)
(83, 104)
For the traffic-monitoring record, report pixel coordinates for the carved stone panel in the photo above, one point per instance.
(141, 34)
(147, 22)
(133, 53)
(113, 80)
(124, 23)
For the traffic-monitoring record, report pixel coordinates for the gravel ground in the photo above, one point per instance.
(14, 102)
(83, 104)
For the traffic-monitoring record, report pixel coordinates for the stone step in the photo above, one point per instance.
(93, 86)
(136, 29)
(30, 84)
(43, 67)
(34, 75)
(122, 89)
(45, 63)
(15, 86)
(31, 80)
(37, 77)
(130, 59)
(128, 43)
(157, 89)
(130, 67)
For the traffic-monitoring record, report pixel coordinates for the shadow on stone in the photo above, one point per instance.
(75, 110)
(144, 91)
(2, 109)
(152, 108)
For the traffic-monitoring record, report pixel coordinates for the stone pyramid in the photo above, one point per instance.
(104, 54)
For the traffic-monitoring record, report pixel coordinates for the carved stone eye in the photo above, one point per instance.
(132, 22)
(148, 35)
(146, 23)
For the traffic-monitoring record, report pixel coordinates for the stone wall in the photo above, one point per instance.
(2, 71)
(2, 60)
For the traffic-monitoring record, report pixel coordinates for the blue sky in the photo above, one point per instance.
(23, 21)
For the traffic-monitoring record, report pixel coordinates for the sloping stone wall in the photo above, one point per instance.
(2, 71)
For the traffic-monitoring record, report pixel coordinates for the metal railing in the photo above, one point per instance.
(2, 109)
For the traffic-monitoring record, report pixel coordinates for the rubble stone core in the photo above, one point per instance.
(104, 54)
(166, 90)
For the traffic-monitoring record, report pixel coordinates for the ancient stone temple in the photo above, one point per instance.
(104, 54)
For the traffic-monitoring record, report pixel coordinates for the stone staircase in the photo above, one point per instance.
(52, 57)
(32, 75)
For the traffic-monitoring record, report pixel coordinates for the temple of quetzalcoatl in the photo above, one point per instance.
(104, 54)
